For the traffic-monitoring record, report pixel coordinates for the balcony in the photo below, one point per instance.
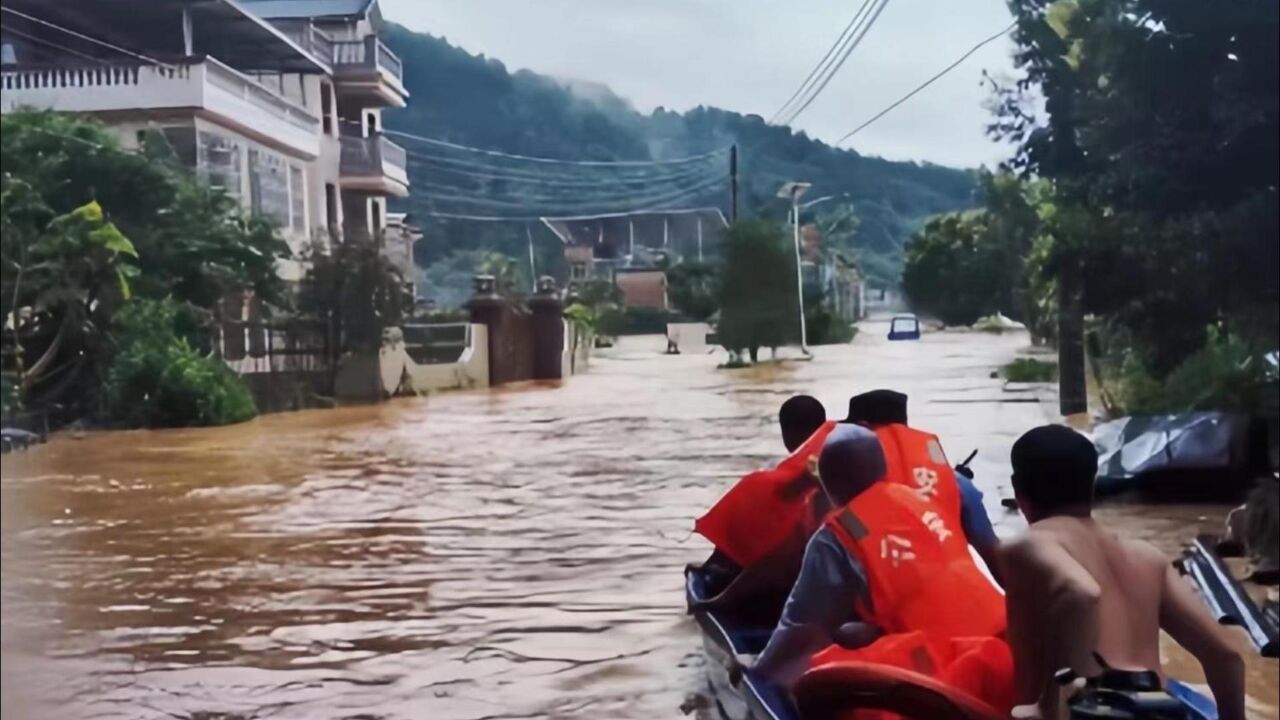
(203, 86)
(374, 165)
(368, 72)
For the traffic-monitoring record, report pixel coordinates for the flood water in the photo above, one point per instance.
(467, 556)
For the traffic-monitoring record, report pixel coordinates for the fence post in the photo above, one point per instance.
(548, 331)
(486, 309)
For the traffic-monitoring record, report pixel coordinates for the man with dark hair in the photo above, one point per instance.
(884, 412)
(760, 526)
(1074, 589)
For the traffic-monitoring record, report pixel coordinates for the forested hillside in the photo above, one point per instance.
(473, 100)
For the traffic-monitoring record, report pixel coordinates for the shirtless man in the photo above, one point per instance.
(1074, 588)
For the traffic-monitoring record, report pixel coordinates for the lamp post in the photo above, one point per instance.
(794, 190)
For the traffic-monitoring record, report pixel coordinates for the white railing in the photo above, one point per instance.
(393, 154)
(371, 156)
(251, 90)
(59, 78)
(369, 53)
(205, 84)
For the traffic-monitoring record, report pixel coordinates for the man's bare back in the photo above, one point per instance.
(1074, 589)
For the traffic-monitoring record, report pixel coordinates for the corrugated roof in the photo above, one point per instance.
(295, 9)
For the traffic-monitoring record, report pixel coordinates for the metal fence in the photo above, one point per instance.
(262, 347)
(429, 344)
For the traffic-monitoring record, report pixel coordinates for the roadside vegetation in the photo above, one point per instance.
(1145, 190)
(104, 251)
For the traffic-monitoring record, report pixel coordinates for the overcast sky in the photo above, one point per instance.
(750, 56)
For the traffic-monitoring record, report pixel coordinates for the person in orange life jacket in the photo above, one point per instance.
(832, 600)
(1075, 589)
(879, 409)
(761, 524)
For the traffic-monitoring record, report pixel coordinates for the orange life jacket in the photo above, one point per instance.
(908, 673)
(914, 458)
(942, 617)
(920, 574)
(762, 511)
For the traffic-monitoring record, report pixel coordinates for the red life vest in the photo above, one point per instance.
(942, 617)
(762, 511)
(919, 571)
(914, 458)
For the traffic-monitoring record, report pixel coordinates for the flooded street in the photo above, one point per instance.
(468, 556)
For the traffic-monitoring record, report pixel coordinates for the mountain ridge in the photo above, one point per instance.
(475, 100)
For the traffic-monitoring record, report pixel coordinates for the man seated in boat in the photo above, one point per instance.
(1075, 589)
(884, 412)
(760, 526)
(889, 579)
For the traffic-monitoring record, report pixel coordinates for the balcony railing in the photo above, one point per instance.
(369, 54)
(200, 83)
(373, 156)
(310, 38)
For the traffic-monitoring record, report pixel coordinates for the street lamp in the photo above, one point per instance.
(794, 190)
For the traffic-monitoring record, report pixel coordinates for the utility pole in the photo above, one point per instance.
(733, 183)
(533, 269)
(1073, 398)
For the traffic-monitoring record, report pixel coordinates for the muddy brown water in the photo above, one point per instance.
(468, 556)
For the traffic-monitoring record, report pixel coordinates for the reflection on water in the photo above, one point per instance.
(511, 554)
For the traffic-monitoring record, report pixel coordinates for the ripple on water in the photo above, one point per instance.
(514, 554)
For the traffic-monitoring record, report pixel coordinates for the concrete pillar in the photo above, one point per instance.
(486, 309)
(548, 331)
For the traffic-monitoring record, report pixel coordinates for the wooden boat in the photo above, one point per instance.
(730, 642)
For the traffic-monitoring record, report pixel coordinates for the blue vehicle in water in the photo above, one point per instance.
(904, 327)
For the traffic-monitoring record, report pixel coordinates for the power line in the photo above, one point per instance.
(497, 172)
(86, 38)
(927, 83)
(56, 46)
(831, 52)
(574, 205)
(556, 161)
(569, 218)
(650, 204)
(866, 27)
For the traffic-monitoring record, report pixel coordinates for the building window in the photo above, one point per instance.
(331, 206)
(268, 186)
(376, 215)
(578, 271)
(297, 200)
(326, 109)
(218, 162)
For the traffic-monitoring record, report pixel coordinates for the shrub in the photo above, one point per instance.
(1030, 370)
(614, 321)
(10, 397)
(824, 327)
(1224, 374)
(154, 378)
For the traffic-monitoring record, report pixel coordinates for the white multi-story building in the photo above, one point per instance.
(279, 102)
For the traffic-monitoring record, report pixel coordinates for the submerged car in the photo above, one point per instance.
(904, 327)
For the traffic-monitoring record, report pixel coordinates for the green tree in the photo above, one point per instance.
(1159, 140)
(60, 284)
(355, 290)
(692, 288)
(67, 266)
(758, 302)
(193, 242)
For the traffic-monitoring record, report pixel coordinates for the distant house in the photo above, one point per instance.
(642, 287)
(278, 102)
(833, 276)
(631, 250)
